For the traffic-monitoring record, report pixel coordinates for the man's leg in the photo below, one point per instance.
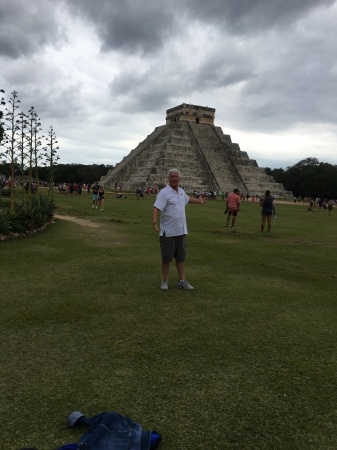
(262, 223)
(269, 223)
(164, 281)
(165, 268)
(234, 214)
(180, 265)
(183, 283)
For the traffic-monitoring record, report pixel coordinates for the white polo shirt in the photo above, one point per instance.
(172, 211)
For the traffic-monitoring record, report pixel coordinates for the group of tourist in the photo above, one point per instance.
(321, 203)
(243, 197)
(141, 191)
(266, 202)
(73, 188)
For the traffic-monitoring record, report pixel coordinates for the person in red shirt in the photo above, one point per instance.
(233, 204)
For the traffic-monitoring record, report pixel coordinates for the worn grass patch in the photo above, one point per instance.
(246, 361)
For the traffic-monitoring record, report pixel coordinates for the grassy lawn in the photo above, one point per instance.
(246, 361)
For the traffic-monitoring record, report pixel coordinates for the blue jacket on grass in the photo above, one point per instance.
(110, 430)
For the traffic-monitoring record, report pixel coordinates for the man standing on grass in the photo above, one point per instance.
(233, 204)
(171, 202)
(95, 190)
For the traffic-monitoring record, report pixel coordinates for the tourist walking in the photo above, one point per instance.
(330, 206)
(101, 194)
(95, 189)
(232, 206)
(170, 204)
(267, 202)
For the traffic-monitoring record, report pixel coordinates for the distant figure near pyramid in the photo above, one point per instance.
(205, 156)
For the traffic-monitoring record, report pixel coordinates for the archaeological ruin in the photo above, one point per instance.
(205, 156)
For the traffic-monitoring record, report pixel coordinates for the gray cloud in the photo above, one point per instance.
(146, 27)
(134, 27)
(25, 27)
(244, 16)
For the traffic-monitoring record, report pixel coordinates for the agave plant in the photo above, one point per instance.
(16, 219)
(5, 225)
(47, 206)
(32, 213)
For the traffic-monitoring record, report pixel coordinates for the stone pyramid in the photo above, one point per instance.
(205, 156)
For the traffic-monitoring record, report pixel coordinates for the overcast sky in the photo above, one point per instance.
(104, 72)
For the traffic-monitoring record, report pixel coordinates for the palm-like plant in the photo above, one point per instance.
(11, 141)
(51, 157)
(23, 145)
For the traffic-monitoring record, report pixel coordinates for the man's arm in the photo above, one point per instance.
(154, 218)
(196, 200)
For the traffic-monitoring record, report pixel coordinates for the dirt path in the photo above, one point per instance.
(83, 222)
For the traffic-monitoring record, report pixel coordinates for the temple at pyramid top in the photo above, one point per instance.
(190, 113)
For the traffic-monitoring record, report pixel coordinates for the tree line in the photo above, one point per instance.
(308, 178)
(65, 173)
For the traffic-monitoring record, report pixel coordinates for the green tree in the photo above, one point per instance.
(11, 140)
(2, 102)
(69, 173)
(22, 147)
(51, 157)
(308, 178)
(34, 146)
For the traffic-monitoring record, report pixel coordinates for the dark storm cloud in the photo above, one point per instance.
(145, 26)
(140, 92)
(131, 26)
(243, 16)
(25, 27)
(219, 69)
(296, 85)
(144, 90)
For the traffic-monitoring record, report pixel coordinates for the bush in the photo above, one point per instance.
(32, 213)
(6, 192)
(5, 226)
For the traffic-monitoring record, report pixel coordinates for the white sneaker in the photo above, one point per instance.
(184, 284)
(164, 285)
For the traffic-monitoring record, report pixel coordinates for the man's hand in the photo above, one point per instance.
(197, 200)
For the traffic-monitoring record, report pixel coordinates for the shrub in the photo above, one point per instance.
(6, 192)
(32, 213)
(5, 226)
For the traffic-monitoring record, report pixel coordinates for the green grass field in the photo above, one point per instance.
(246, 361)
